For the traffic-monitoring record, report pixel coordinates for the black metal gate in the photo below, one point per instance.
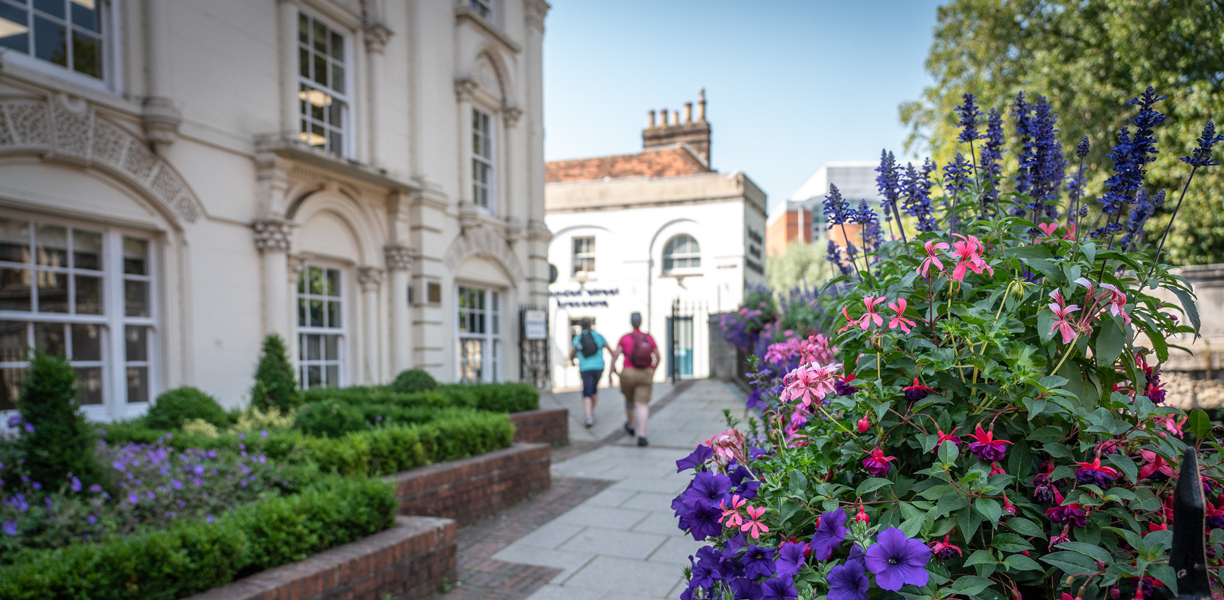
(534, 341)
(682, 342)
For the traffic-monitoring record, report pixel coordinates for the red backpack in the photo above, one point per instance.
(640, 356)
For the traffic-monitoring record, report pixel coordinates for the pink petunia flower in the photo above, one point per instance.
(932, 257)
(898, 320)
(753, 524)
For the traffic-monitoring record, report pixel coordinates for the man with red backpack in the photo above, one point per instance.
(637, 376)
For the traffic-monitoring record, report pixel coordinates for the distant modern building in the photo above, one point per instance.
(637, 232)
(805, 208)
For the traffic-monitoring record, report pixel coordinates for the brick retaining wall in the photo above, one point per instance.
(542, 426)
(408, 561)
(471, 489)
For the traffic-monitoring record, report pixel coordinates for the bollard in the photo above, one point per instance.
(1188, 556)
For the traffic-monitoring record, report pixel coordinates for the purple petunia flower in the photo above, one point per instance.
(209, 519)
(857, 555)
(198, 470)
(10, 528)
(790, 558)
(829, 534)
(76, 485)
(745, 589)
(700, 456)
(176, 484)
(14, 421)
(29, 428)
(758, 562)
(781, 588)
(701, 520)
(91, 519)
(708, 488)
(848, 582)
(95, 488)
(36, 485)
(898, 560)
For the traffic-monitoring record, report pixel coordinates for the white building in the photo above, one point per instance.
(179, 178)
(637, 232)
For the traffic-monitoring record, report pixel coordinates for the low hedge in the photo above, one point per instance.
(197, 556)
(494, 397)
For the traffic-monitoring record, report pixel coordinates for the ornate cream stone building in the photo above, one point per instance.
(179, 178)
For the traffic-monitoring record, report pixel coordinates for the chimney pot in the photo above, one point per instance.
(663, 117)
(688, 112)
(651, 121)
(675, 117)
(701, 106)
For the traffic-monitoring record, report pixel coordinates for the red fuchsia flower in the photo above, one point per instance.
(1060, 538)
(864, 424)
(917, 391)
(945, 549)
(1071, 513)
(876, 463)
(843, 386)
(862, 517)
(753, 524)
(1155, 467)
(731, 514)
(932, 258)
(948, 437)
(995, 469)
(898, 320)
(985, 447)
(1152, 527)
(1066, 596)
(1062, 321)
(1215, 516)
(1095, 474)
(968, 253)
(1009, 509)
(809, 384)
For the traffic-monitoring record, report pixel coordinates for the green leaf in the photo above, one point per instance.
(1200, 423)
(1124, 463)
(1094, 552)
(1187, 301)
(980, 557)
(1109, 342)
(912, 526)
(1165, 574)
(970, 585)
(989, 509)
(1089, 250)
(1034, 406)
(948, 453)
(969, 520)
(1071, 563)
(1047, 435)
(798, 483)
(1045, 319)
(1052, 381)
(1020, 562)
(928, 441)
(1024, 526)
(871, 485)
(789, 508)
(1010, 542)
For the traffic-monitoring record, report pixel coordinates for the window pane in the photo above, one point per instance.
(14, 29)
(85, 14)
(135, 256)
(15, 289)
(14, 240)
(337, 46)
(86, 250)
(320, 70)
(315, 279)
(136, 298)
(335, 113)
(316, 314)
(304, 63)
(52, 292)
(333, 375)
(336, 142)
(331, 349)
(10, 387)
(314, 347)
(320, 37)
(51, 245)
(337, 78)
(333, 315)
(89, 382)
(51, 41)
(303, 29)
(137, 384)
(14, 344)
(86, 54)
(302, 322)
(86, 342)
(88, 295)
(136, 343)
(314, 376)
(49, 337)
(54, 8)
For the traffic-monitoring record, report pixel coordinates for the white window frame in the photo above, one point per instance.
(484, 9)
(328, 94)
(108, 34)
(340, 333)
(687, 256)
(112, 323)
(489, 340)
(484, 194)
(583, 257)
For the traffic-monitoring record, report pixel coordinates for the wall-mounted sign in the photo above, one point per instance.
(582, 303)
(589, 292)
(754, 235)
(751, 265)
(535, 324)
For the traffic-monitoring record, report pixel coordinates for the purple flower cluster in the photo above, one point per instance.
(917, 186)
(1130, 156)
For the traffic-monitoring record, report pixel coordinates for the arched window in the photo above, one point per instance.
(681, 252)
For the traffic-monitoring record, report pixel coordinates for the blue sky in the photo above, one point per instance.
(790, 85)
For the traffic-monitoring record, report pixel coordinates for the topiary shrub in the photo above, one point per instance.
(412, 381)
(177, 406)
(275, 383)
(55, 438)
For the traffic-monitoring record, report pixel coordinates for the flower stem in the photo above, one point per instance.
(1070, 347)
(1156, 261)
(835, 421)
(846, 239)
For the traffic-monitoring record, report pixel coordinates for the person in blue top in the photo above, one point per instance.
(588, 348)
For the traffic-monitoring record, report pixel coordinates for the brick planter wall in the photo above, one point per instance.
(473, 488)
(542, 426)
(407, 561)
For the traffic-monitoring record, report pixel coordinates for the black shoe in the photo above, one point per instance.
(628, 429)
(642, 441)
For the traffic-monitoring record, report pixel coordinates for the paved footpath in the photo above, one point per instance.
(623, 542)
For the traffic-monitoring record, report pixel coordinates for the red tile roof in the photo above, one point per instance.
(674, 161)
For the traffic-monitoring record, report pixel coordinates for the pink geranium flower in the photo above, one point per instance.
(1062, 322)
(731, 514)
(1116, 302)
(968, 253)
(1048, 229)
(898, 320)
(753, 524)
(932, 257)
(809, 384)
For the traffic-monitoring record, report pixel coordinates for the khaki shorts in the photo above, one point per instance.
(637, 384)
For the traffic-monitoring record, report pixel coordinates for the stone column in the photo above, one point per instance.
(272, 238)
(399, 264)
(376, 36)
(161, 118)
(287, 13)
(296, 266)
(370, 278)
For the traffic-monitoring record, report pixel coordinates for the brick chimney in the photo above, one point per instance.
(694, 133)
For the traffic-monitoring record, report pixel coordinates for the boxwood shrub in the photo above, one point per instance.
(179, 405)
(197, 556)
(495, 397)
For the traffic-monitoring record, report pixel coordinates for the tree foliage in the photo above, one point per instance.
(275, 383)
(1088, 57)
(800, 265)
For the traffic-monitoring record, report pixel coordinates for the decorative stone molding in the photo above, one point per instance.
(469, 216)
(369, 278)
(399, 258)
(535, 13)
(511, 114)
(465, 88)
(376, 37)
(297, 264)
(486, 76)
(161, 120)
(60, 129)
(514, 230)
(273, 234)
(537, 230)
(486, 243)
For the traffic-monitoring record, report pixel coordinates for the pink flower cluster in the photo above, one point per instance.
(1099, 301)
(967, 252)
(727, 446)
(809, 384)
(871, 318)
(815, 349)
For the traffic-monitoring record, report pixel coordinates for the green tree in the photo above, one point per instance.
(275, 383)
(55, 438)
(800, 264)
(1088, 57)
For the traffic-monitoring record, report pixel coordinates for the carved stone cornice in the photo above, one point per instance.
(273, 234)
(469, 216)
(511, 115)
(376, 37)
(537, 230)
(398, 257)
(369, 278)
(514, 229)
(465, 89)
(297, 264)
(535, 13)
(161, 120)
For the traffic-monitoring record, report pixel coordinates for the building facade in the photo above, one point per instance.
(855, 181)
(180, 178)
(647, 232)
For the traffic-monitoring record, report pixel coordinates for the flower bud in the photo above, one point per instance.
(864, 424)
(862, 517)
